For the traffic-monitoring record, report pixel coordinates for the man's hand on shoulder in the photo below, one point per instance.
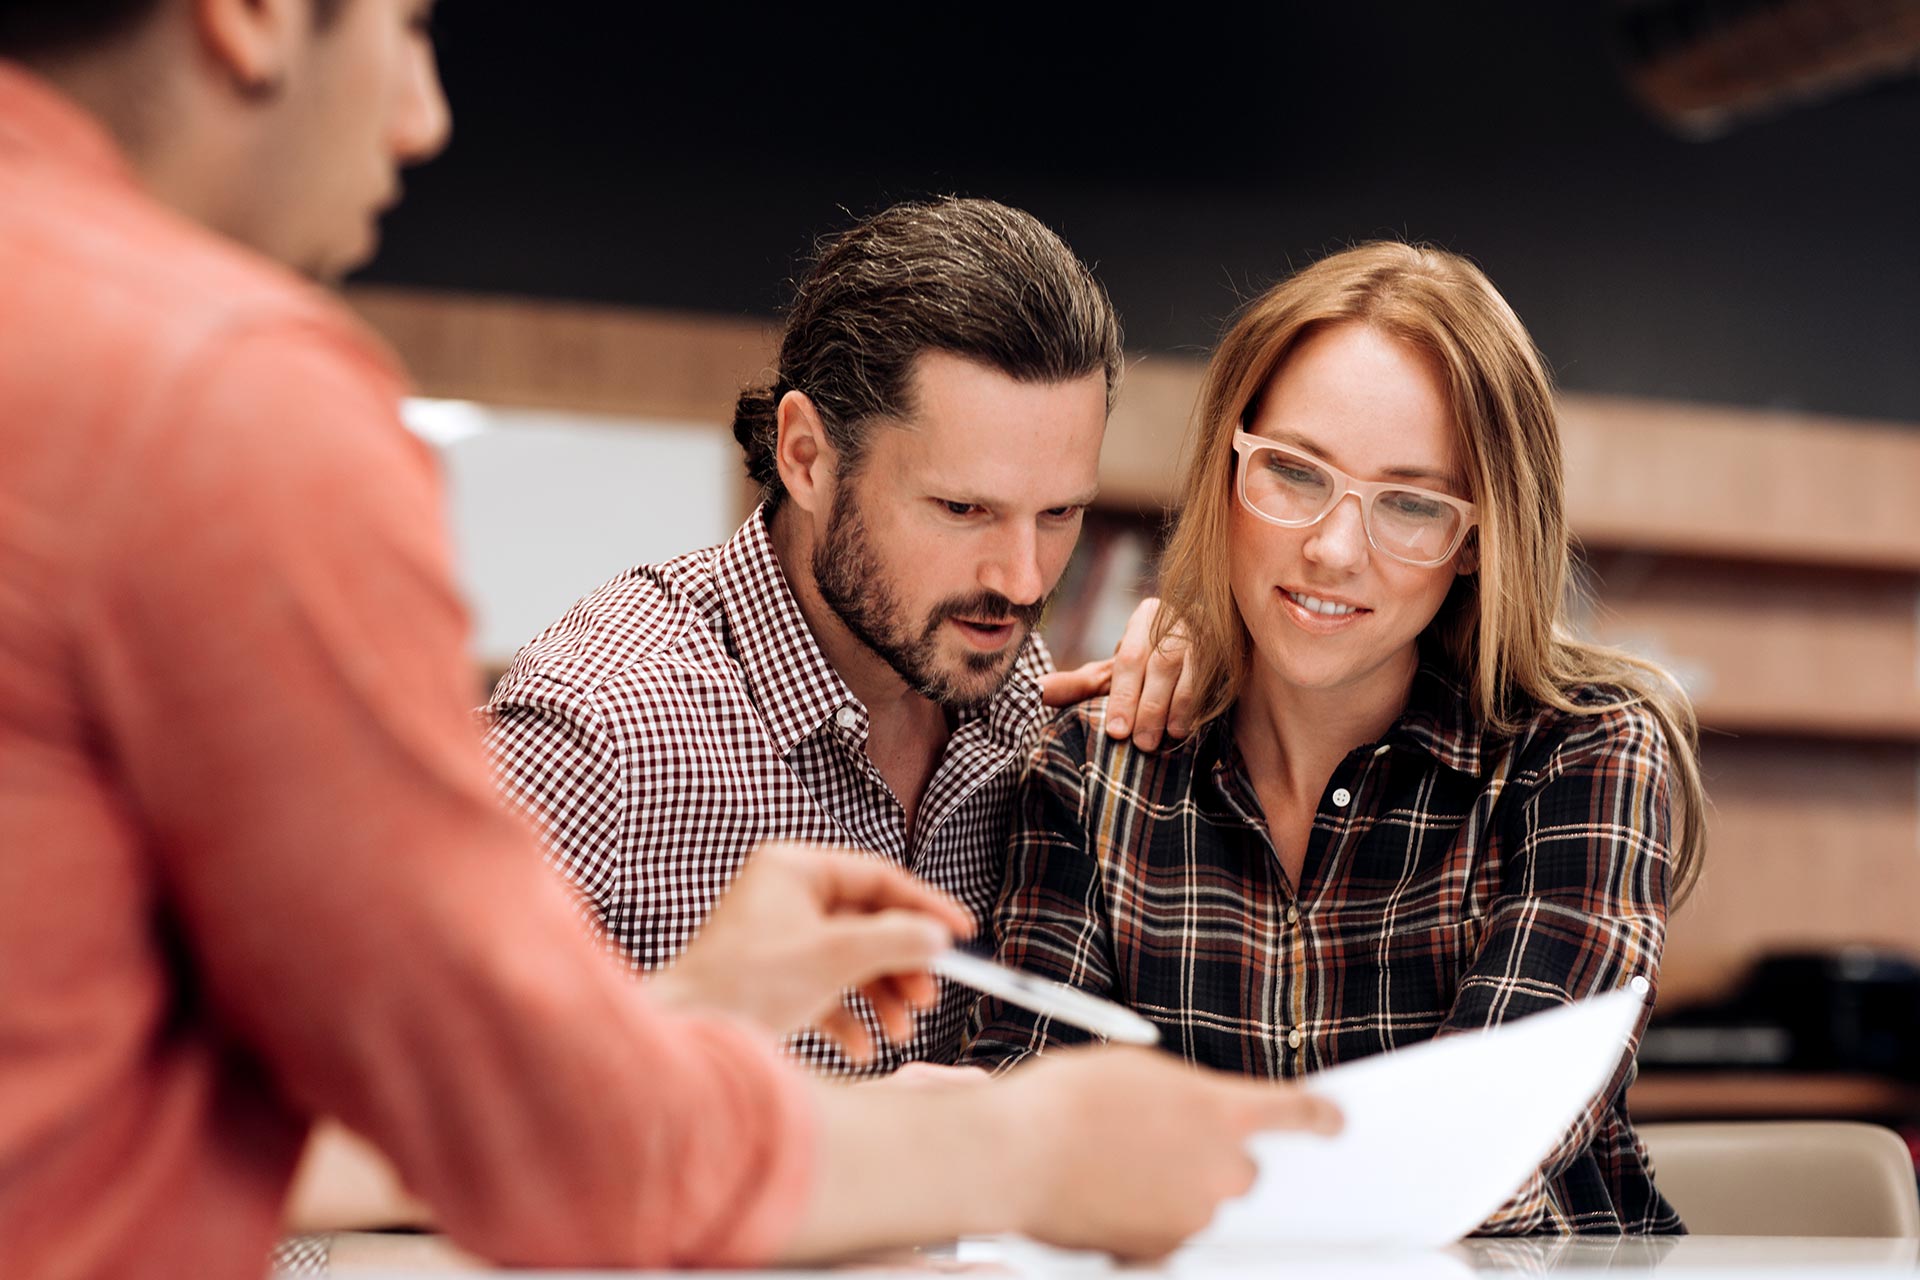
(1149, 687)
(801, 925)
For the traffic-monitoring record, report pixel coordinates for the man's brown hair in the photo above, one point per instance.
(972, 278)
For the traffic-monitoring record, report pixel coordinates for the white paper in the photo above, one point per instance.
(1438, 1135)
(1240, 1260)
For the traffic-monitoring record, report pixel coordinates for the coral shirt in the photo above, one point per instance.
(251, 864)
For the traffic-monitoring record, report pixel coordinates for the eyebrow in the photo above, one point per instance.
(1300, 442)
(1083, 499)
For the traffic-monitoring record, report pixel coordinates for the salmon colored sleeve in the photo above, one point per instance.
(280, 659)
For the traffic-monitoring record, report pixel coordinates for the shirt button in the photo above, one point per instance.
(847, 718)
(1293, 914)
(1340, 797)
(1294, 1038)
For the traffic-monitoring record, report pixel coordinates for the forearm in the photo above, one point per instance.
(531, 1095)
(908, 1167)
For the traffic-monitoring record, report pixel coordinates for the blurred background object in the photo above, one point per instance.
(1705, 65)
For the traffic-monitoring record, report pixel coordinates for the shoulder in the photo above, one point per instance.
(644, 642)
(167, 368)
(1610, 730)
(1073, 734)
(129, 285)
(1076, 738)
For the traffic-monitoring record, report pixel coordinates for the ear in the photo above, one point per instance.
(804, 456)
(254, 41)
(1467, 559)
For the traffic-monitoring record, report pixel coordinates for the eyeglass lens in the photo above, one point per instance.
(1402, 522)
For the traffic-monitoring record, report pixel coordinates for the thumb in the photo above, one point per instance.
(1064, 688)
(1283, 1106)
(858, 949)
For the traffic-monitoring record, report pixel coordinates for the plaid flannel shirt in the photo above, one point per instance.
(684, 713)
(1453, 880)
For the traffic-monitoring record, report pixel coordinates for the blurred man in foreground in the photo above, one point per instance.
(251, 869)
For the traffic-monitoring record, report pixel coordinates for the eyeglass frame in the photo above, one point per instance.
(1245, 444)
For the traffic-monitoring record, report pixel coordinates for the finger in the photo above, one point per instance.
(902, 991)
(855, 950)
(844, 1027)
(915, 990)
(852, 882)
(1156, 698)
(1288, 1107)
(1064, 688)
(894, 1014)
(1185, 705)
(1130, 668)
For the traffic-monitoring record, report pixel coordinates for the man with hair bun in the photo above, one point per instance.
(859, 663)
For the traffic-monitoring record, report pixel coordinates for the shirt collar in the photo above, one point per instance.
(788, 676)
(40, 121)
(1438, 721)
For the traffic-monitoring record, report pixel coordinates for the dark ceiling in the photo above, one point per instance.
(628, 153)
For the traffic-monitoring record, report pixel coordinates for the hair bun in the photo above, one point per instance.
(757, 429)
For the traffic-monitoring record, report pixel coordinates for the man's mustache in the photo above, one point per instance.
(989, 607)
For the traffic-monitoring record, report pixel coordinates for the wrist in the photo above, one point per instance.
(676, 990)
(1012, 1135)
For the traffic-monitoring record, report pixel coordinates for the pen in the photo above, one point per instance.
(1056, 1000)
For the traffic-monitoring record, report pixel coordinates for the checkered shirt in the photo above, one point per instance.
(684, 713)
(1453, 880)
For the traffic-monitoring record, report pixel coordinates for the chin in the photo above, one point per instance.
(975, 686)
(1314, 672)
(338, 262)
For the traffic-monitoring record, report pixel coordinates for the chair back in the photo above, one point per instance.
(1786, 1178)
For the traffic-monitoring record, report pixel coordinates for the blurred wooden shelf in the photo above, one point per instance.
(1766, 1095)
(566, 355)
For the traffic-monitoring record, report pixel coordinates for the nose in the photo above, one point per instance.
(1013, 569)
(423, 122)
(1339, 541)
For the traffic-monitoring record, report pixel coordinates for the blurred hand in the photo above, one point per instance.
(1149, 689)
(1132, 1151)
(800, 926)
(932, 1075)
(1125, 1150)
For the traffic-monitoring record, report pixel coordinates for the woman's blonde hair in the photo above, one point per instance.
(1502, 628)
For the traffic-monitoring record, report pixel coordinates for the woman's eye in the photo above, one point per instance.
(1411, 506)
(1293, 472)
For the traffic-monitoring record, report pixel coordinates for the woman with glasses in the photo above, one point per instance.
(1415, 803)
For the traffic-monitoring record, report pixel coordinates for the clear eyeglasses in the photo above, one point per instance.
(1286, 487)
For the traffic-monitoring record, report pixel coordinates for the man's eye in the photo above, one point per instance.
(1062, 513)
(960, 508)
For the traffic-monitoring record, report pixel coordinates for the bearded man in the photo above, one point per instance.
(858, 664)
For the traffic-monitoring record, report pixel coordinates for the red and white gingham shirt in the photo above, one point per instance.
(684, 713)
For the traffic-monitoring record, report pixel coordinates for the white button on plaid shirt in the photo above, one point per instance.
(684, 713)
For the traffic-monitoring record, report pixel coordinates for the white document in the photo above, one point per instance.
(1438, 1135)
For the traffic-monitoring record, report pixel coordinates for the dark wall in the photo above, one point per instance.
(602, 151)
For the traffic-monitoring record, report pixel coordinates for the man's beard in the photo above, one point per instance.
(849, 577)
